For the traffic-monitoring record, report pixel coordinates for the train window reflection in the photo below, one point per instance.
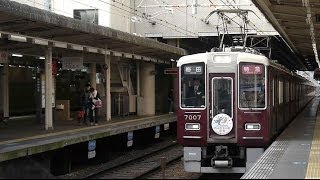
(251, 86)
(222, 96)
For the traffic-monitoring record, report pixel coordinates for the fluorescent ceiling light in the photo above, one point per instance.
(60, 45)
(41, 42)
(17, 55)
(17, 38)
(77, 47)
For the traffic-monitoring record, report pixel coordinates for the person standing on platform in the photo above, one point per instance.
(96, 104)
(85, 103)
(195, 94)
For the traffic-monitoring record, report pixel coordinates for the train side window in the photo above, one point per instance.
(280, 91)
(273, 98)
(291, 91)
(287, 91)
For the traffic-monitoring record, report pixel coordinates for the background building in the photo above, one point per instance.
(162, 18)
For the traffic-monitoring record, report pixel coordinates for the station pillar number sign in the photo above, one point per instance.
(3, 57)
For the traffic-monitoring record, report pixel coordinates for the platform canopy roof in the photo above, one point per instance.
(298, 22)
(28, 21)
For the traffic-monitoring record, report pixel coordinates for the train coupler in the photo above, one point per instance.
(221, 158)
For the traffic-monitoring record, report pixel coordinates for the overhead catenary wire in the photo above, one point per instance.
(161, 20)
(167, 24)
(143, 16)
(255, 28)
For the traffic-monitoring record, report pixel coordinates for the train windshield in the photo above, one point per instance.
(252, 85)
(222, 101)
(193, 86)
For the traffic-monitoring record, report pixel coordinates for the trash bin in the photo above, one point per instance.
(62, 112)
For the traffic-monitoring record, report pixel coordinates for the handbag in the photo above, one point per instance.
(97, 103)
(81, 115)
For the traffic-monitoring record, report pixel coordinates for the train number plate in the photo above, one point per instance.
(192, 117)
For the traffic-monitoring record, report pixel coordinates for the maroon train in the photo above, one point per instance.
(231, 107)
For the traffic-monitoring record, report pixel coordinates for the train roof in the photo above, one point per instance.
(244, 55)
(204, 57)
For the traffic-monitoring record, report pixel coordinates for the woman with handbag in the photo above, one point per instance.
(96, 102)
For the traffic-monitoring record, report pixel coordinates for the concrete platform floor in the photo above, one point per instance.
(27, 126)
(25, 137)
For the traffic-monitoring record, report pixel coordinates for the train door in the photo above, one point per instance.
(280, 104)
(293, 109)
(273, 115)
(298, 96)
(276, 103)
(222, 99)
(286, 107)
(289, 108)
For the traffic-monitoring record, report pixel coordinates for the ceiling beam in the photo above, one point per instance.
(302, 37)
(265, 7)
(296, 25)
(289, 10)
(289, 17)
(305, 32)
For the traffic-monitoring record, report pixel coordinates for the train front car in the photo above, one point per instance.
(223, 125)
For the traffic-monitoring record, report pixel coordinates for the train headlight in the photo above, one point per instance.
(192, 126)
(222, 59)
(252, 126)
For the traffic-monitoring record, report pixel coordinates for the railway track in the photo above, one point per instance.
(141, 166)
(144, 164)
(129, 157)
(173, 170)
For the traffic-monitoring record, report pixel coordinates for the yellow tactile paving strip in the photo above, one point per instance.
(313, 170)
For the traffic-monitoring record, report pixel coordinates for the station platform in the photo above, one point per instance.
(295, 153)
(24, 137)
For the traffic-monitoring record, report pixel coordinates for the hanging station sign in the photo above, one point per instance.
(74, 63)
